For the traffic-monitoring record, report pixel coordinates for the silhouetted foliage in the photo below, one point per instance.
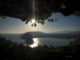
(43, 9)
(14, 51)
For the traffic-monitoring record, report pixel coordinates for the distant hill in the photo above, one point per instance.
(53, 35)
(35, 34)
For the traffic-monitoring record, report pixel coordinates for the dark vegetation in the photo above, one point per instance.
(23, 9)
(44, 8)
(14, 51)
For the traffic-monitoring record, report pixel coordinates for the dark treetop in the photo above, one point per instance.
(23, 9)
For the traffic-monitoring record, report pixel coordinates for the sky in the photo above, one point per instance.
(64, 23)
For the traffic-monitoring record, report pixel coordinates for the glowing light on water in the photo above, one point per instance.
(35, 44)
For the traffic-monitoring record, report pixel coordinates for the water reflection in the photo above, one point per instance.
(50, 42)
(35, 44)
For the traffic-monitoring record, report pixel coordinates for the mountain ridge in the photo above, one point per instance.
(53, 35)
